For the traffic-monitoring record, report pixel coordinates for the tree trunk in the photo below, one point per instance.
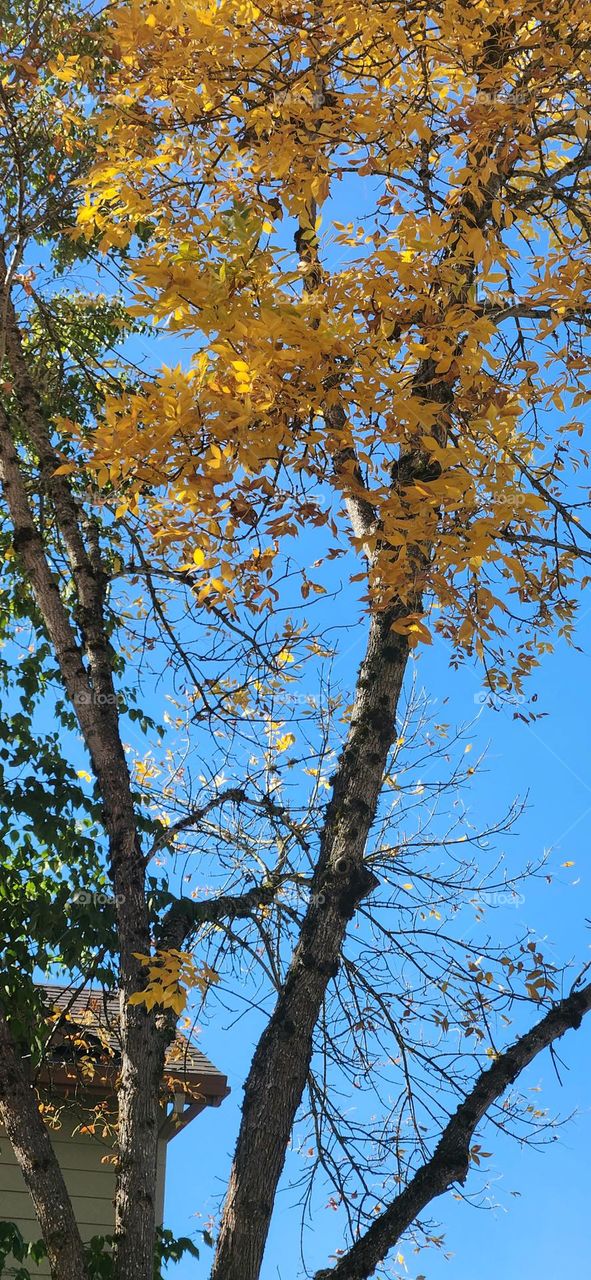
(93, 696)
(19, 1113)
(281, 1062)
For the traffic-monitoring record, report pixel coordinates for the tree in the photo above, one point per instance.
(394, 397)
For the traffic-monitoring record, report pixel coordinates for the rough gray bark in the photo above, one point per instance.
(34, 1153)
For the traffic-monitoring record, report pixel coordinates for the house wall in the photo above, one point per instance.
(90, 1182)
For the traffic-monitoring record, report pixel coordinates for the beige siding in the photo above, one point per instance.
(90, 1182)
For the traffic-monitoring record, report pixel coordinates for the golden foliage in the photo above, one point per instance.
(170, 975)
(363, 220)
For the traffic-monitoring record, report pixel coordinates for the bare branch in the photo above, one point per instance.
(450, 1160)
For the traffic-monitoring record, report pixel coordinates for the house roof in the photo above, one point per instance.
(87, 1029)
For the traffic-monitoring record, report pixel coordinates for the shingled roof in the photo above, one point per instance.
(88, 1028)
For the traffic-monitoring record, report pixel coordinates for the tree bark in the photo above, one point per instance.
(36, 1158)
(281, 1062)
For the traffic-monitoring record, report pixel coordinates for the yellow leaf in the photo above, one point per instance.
(214, 458)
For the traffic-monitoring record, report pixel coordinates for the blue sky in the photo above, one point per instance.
(547, 1224)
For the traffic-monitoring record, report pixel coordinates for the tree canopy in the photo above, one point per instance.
(295, 314)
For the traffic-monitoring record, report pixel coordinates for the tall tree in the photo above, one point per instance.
(371, 227)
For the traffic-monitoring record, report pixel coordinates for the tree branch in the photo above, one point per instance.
(232, 795)
(450, 1160)
(341, 880)
(530, 311)
(185, 915)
